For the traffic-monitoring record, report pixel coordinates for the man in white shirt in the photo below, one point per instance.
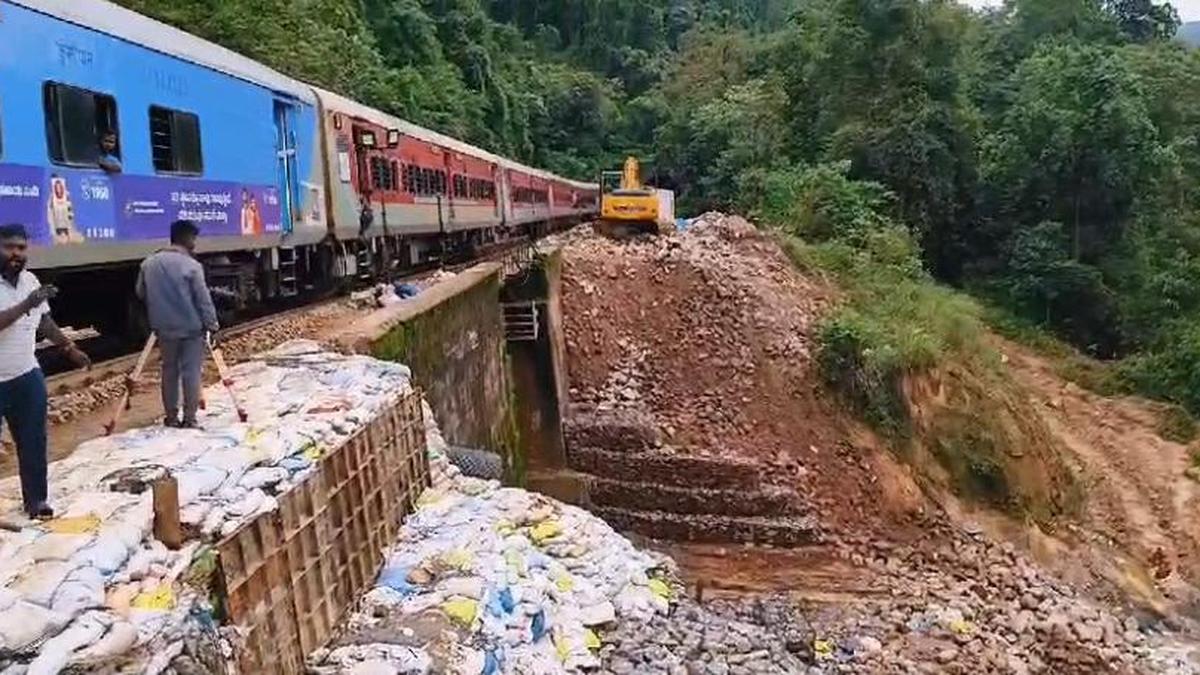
(23, 314)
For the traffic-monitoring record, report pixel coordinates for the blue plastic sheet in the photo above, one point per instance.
(396, 578)
(538, 627)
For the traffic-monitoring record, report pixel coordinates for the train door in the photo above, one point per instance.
(496, 199)
(446, 190)
(289, 179)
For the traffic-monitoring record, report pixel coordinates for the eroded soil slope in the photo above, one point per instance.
(1141, 524)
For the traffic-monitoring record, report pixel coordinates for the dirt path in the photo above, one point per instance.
(1138, 499)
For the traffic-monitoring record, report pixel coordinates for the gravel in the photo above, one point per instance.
(951, 608)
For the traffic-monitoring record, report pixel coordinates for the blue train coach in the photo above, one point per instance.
(112, 125)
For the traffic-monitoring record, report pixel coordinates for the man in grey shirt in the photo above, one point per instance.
(171, 282)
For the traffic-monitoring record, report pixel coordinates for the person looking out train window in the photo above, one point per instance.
(110, 155)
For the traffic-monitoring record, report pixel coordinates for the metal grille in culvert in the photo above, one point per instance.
(521, 321)
(290, 575)
(476, 463)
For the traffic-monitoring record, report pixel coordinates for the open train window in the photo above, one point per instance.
(75, 120)
(175, 141)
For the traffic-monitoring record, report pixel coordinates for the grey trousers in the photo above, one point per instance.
(182, 363)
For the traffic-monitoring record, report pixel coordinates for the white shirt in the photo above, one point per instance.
(17, 342)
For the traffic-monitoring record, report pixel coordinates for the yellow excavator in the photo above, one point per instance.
(627, 207)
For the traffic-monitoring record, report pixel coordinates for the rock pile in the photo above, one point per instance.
(971, 604)
(688, 324)
(705, 339)
(966, 606)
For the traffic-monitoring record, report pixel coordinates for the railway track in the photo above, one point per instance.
(65, 382)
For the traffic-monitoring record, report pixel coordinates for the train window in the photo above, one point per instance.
(75, 120)
(395, 176)
(378, 179)
(175, 141)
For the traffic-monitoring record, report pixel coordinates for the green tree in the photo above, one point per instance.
(1075, 146)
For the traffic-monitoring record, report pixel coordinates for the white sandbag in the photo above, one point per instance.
(213, 521)
(82, 589)
(118, 537)
(39, 583)
(467, 587)
(246, 505)
(162, 658)
(197, 480)
(263, 476)
(25, 623)
(194, 514)
(374, 667)
(8, 597)
(120, 639)
(53, 546)
(56, 652)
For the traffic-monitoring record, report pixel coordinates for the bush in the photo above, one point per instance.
(895, 320)
(821, 204)
(1176, 425)
(1171, 372)
(863, 370)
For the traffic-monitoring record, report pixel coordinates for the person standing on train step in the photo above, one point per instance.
(171, 283)
(23, 315)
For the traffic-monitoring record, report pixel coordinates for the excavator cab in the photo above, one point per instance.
(627, 207)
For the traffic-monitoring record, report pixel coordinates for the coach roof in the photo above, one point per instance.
(125, 24)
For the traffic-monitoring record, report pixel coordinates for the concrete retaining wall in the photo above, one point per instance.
(452, 336)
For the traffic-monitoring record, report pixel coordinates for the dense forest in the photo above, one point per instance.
(1041, 156)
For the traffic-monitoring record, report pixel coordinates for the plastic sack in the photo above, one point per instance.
(24, 623)
(83, 588)
(461, 610)
(56, 652)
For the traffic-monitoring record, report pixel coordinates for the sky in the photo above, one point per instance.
(1189, 10)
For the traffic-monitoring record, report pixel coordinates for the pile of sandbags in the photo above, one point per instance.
(93, 584)
(521, 584)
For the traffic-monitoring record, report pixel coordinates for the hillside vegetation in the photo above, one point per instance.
(1040, 157)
